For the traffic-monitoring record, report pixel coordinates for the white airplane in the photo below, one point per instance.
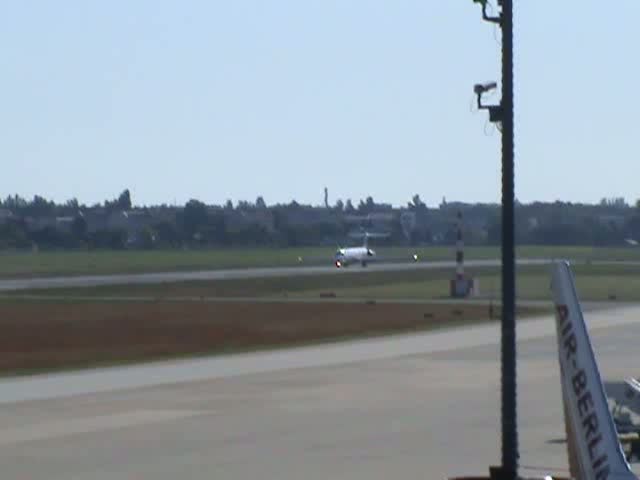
(362, 255)
(593, 445)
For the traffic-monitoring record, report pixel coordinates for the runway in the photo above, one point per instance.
(162, 277)
(415, 406)
(8, 285)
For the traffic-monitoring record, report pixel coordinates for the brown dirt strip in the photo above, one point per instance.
(54, 335)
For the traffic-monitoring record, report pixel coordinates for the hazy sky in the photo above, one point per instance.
(221, 100)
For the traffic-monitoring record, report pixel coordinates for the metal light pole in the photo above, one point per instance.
(503, 115)
(509, 426)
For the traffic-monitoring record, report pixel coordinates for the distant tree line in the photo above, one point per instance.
(118, 224)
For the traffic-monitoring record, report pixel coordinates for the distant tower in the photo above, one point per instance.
(461, 286)
(326, 197)
(459, 249)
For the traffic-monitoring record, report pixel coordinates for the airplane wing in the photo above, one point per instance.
(633, 385)
(593, 447)
(625, 393)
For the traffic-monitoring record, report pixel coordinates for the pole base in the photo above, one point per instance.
(498, 473)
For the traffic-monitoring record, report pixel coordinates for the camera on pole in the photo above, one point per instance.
(502, 115)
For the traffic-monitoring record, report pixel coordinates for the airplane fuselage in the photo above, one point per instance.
(346, 256)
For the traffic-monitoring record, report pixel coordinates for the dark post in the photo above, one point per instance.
(509, 425)
(502, 114)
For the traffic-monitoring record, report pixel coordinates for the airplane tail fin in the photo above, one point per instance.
(592, 440)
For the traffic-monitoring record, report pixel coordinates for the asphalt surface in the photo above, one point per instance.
(163, 277)
(418, 406)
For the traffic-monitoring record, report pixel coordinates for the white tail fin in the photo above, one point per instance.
(593, 446)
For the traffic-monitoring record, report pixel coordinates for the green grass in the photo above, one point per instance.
(529, 287)
(307, 285)
(110, 262)
(594, 282)
(250, 287)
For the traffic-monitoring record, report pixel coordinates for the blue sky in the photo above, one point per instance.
(229, 100)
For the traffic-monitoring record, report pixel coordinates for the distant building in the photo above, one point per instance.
(96, 218)
(35, 224)
(238, 220)
(64, 224)
(133, 222)
(613, 220)
(307, 216)
(5, 215)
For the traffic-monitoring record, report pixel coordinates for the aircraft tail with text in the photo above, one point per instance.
(592, 440)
